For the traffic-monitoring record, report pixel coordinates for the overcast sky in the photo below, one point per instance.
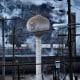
(75, 7)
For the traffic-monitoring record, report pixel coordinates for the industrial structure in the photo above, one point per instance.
(17, 60)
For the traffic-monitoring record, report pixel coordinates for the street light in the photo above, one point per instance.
(37, 26)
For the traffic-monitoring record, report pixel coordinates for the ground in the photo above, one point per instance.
(32, 77)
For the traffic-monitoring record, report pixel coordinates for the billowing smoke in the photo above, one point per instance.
(31, 43)
(36, 2)
(56, 16)
(0, 36)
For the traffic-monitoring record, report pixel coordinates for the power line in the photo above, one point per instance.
(75, 7)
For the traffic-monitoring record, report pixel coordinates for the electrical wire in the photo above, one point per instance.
(38, 64)
(51, 63)
(26, 64)
(75, 7)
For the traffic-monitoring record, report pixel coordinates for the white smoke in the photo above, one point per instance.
(31, 43)
(6, 13)
(9, 15)
(58, 4)
(0, 36)
(36, 2)
(16, 12)
(52, 52)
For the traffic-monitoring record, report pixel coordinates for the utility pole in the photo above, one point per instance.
(18, 71)
(70, 41)
(13, 60)
(3, 50)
